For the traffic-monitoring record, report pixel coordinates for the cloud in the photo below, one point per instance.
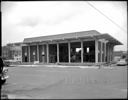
(7, 6)
(30, 22)
(29, 19)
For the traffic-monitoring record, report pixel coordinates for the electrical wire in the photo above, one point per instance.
(106, 17)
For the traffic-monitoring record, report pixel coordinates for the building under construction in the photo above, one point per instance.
(77, 47)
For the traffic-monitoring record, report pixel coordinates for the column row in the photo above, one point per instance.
(82, 51)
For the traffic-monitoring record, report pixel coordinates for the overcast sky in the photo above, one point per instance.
(30, 19)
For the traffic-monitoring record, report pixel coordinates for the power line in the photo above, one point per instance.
(106, 17)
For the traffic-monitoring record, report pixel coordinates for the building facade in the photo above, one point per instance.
(77, 47)
(12, 51)
(5, 52)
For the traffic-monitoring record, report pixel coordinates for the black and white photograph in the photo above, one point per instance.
(64, 50)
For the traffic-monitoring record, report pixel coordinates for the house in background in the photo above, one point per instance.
(77, 47)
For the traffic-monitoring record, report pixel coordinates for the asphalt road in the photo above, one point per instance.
(42, 82)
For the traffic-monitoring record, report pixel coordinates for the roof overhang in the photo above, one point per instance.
(100, 36)
(109, 38)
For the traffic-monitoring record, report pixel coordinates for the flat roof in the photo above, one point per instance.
(73, 35)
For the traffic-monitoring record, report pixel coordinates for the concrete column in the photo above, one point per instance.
(105, 52)
(69, 52)
(21, 54)
(112, 52)
(81, 51)
(37, 52)
(108, 53)
(29, 53)
(47, 53)
(42, 55)
(57, 52)
(101, 51)
(96, 51)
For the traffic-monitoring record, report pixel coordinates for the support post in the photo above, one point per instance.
(108, 54)
(29, 53)
(47, 53)
(96, 51)
(81, 51)
(57, 52)
(69, 52)
(101, 51)
(105, 52)
(21, 54)
(112, 52)
(37, 52)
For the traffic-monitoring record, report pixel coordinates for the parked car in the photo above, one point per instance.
(6, 63)
(11, 62)
(3, 72)
(122, 62)
(4, 75)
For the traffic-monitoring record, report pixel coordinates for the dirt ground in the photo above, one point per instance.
(41, 82)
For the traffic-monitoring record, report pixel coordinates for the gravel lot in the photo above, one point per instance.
(42, 82)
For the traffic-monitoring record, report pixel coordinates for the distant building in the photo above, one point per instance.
(77, 47)
(119, 55)
(12, 51)
(5, 52)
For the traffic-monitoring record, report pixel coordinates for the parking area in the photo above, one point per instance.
(51, 82)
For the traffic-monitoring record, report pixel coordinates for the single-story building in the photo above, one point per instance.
(76, 47)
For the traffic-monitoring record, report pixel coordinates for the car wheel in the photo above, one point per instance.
(3, 81)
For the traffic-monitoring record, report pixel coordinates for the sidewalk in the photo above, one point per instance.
(11, 96)
(63, 66)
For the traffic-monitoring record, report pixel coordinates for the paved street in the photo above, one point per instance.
(41, 82)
